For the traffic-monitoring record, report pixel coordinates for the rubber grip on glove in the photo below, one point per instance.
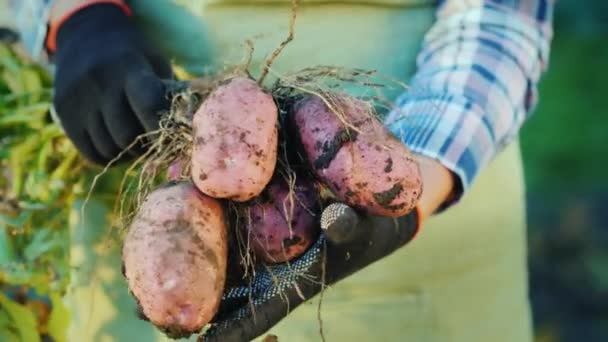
(340, 223)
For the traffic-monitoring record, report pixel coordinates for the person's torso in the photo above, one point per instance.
(380, 35)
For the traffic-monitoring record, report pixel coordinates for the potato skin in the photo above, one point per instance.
(235, 141)
(265, 223)
(174, 258)
(174, 172)
(368, 168)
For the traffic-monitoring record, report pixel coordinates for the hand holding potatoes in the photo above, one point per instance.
(242, 219)
(360, 240)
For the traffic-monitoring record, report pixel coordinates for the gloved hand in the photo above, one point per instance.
(350, 242)
(108, 82)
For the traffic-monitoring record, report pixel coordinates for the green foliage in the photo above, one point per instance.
(43, 181)
(17, 323)
(59, 319)
(564, 142)
(564, 150)
(40, 177)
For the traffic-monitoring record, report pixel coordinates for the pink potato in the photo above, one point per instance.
(366, 167)
(235, 141)
(174, 258)
(174, 172)
(280, 226)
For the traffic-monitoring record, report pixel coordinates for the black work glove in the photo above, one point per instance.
(350, 241)
(108, 82)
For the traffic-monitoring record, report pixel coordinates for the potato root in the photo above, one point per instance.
(362, 163)
(235, 139)
(174, 258)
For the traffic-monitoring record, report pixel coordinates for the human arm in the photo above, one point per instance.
(438, 185)
(476, 84)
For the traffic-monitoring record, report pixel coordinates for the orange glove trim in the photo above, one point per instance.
(51, 38)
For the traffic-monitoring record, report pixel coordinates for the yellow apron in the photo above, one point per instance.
(464, 279)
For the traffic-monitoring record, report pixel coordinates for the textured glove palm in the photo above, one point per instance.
(108, 82)
(350, 242)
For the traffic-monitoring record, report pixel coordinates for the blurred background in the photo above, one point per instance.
(565, 149)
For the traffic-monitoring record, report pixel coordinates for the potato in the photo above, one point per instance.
(281, 226)
(235, 141)
(174, 172)
(174, 258)
(367, 168)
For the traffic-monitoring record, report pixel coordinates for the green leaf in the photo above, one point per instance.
(7, 252)
(13, 82)
(32, 115)
(15, 273)
(21, 319)
(39, 280)
(44, 154)
(37, 188)
(18, 221)
(32, 82)
(43, 241)
(8, 60)
(59, 320)
(7, 332)
(27, 205)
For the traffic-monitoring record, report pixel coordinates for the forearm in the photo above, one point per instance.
(438, 185)
(476, 83)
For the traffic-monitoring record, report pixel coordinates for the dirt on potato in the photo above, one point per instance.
(174, 258)
(362, 163)
(235, 139)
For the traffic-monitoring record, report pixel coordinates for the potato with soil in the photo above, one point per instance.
(362, 163)
(283, 223)
(174, 258)
(235, 141)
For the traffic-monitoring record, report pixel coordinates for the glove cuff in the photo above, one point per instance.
(51, 39)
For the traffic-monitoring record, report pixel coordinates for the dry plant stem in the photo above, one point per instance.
(277, 51)
(288, 207)
(109, 165)
(250, 49)
(307, 81)
(121, 192)
(323, 261)
(324, 98)
(249, 262)
(89, 193)
(172, 140)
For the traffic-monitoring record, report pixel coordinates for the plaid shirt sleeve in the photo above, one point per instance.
(476, 82)
(29, 18)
